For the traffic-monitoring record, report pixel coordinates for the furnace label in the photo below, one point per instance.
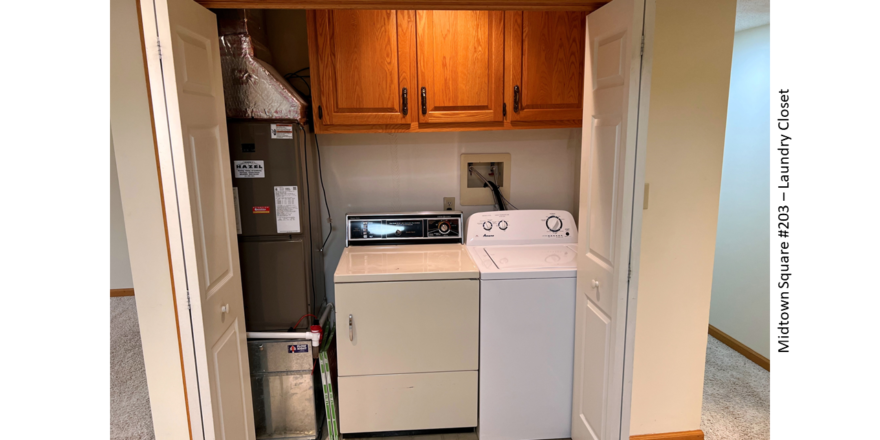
(282, 131)
(287, 209)
(249, 169)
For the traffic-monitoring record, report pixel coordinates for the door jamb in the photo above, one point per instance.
(649, 15)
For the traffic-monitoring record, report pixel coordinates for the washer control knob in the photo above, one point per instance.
(487, 225)
(443, 227)
(502, 225)
(554, 223)
(398, 232)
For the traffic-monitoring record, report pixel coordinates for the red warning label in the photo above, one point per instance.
(261, 209)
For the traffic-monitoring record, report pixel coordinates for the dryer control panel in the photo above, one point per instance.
(520, 227)
(403, 228)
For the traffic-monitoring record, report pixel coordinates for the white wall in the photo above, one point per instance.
(741, 281)
(120, 267)
(414, 171)
(693, 44)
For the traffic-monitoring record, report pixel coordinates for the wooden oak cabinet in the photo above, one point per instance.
(408, 71)
(545, 65)
(461, 61)
(363, 67)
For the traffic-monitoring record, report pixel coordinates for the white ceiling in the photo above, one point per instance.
(752, 13)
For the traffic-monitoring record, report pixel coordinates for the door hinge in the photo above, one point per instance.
(504, 109)
(188, 304)
(159, 48)
(642, 52)
(629, 272)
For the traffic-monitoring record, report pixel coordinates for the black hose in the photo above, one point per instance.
(499, 200)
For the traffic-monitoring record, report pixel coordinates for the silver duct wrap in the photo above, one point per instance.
(252, 87)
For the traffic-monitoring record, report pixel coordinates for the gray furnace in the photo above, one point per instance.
(279, 223)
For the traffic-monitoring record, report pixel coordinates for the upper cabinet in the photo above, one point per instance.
(363, 67)
(407, 71)
(545, 65)
(461, 61)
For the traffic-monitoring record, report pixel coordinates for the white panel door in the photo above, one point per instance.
(195, 146)
(611, 93)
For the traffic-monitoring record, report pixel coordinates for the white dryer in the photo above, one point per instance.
(528, 269)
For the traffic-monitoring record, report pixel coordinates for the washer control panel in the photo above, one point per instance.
(403, 228)
(521, 227)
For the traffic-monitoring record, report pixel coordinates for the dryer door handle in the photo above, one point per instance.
(351, 328)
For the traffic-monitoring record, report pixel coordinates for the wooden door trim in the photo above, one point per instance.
(739, 347)
(490, 5)
(116, 293)
(683, 435)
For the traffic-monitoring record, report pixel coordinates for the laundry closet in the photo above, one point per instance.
(312, 168)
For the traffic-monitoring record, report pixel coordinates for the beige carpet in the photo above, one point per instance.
(736, 392)
(130, 417)
(736, 396)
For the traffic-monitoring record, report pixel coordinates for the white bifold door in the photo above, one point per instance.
(608, 192)
(183, 61)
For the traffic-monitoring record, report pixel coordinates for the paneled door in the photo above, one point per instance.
(190, 117)
(600, 399)
(461, 61)
(365, 62)
(544, 65)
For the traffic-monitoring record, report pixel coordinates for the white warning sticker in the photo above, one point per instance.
(249, 169)
(237, 210)
(282, 131)
(287, 209)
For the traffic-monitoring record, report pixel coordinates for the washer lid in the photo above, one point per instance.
(534, 257)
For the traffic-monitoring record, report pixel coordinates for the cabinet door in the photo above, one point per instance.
(407, 327)
(365, 61)
(545, 65)
(461, 62)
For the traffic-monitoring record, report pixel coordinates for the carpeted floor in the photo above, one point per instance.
(736, 392)
(130, 417)
(736, 396)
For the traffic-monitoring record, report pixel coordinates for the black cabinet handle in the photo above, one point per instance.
(424, 101)
(516, 99)
(405, 102)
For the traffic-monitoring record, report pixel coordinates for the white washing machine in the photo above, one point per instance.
(528, 269)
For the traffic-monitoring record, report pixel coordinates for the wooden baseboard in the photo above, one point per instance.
(684, 435)
(121, 292)
(740, 348)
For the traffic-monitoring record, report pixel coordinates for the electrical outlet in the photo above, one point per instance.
(449, 203)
